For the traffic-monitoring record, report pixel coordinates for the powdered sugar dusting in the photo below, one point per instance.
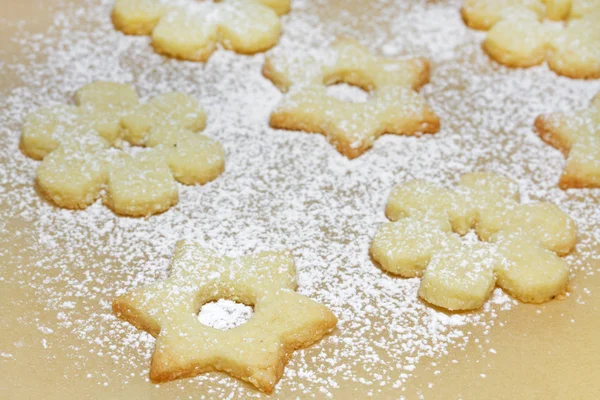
(280, 190)
(224, 314)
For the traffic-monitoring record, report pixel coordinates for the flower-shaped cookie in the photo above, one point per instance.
(257, 351)
(520, 252)
(191, 30)
(75, 142)
(393, 107)
(519, 37)
(577, 135)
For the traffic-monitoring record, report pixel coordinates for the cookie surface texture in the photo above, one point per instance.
(257, 351)
(577, 135)
(393, 106)
(524, 33)
(83, 149)
(191, 30)
(518, 246)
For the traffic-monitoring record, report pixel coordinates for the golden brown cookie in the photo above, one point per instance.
(577, 135)
(257, 351)
(394, 105)
(519, 248)
(80, 149)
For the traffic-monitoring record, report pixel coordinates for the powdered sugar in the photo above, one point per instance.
(280, 190)
(224, 314)
(345, 92)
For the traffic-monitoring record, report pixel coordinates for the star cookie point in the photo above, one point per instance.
(256, 351)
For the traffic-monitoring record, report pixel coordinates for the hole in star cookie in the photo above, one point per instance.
(345, 92)
(224, 314)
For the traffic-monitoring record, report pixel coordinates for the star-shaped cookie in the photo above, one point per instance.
(257, 351)
(577, 135)
(394, 105)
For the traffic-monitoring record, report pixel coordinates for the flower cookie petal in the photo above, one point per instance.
(102, 104)
(419, 198)
(517, 43)
(45, 128)
(169, 112)
(484, 14)
(193, 158)
(137, 17)
(405, 247)
(488, 185)
(531, 273)
(545, 222)
(107, 96)
(188, 34)
(73, 175)
(575, 52)
(248, 27)
(459, 278)
(141, 185)
(488, 193)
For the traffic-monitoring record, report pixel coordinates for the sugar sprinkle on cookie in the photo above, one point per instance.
(257, 351)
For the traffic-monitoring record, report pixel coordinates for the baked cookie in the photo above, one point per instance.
(519, 251)
(257, 351)
(394, 105)
(81, 149)
(577, 135)
(191, 30)
(518, 35)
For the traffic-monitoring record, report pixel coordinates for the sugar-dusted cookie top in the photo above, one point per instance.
(191, 30)
(81, 148)
(521, 34)
(577, 135)
(394, 105)
(257, 351)
(519, 249)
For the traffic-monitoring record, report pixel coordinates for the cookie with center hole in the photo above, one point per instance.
(394, 105)
(256, 351)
